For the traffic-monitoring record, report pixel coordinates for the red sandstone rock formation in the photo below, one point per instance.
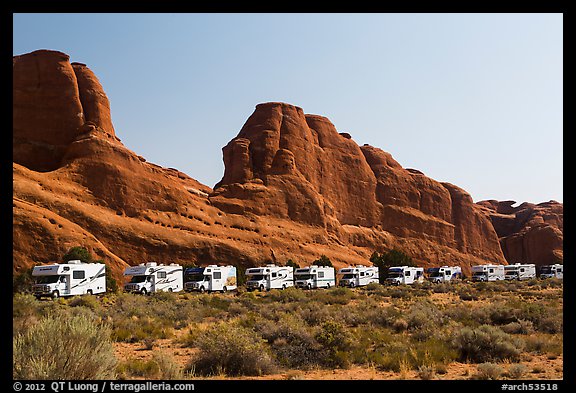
(293, 188)
(528, 233)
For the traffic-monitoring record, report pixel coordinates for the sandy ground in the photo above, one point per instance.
(539, 367)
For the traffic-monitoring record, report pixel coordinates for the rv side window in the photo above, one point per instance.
(320, 274)
(559, 270)
(78, 274)
(490, 270)
(273, 275)
(407, 273)
(448, 273)
(522, 270)
(161, 274)
(217, 275)
(361, 274)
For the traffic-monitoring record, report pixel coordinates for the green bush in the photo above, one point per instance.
(138, 368)
(292, 342)
(61, 346)
(233, 350)
(486, 343)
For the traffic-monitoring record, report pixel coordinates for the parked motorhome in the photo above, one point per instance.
(444, 273)
(519, 271)
(269, 277)
(552, 271)
(150, 277)
(314, 277)
(358, 276)
(210, 278)
(404, 275)
(488, 272)
(69, 279)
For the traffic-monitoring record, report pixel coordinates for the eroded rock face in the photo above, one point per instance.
(293, 188)
(528, 233)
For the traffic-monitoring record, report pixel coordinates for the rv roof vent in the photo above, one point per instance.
(151, 264)
(75, 261)
(142, 264)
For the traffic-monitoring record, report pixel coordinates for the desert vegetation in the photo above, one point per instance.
(498, 330)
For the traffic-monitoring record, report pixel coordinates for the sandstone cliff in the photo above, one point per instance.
(529, 233)
(293, 188)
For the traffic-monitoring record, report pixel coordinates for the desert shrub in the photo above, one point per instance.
(138, 368)
(486, 343)
(501, 314)
(61, 346)
(426, 373)
(90, 302)
(22, 281)
(336, 340)
(519, 327)
(442, 287)
(551, 324)
(231, 349)
(423, 314)
(168, 368)
(137, 329)
(288, 295)
(468, 294)
(544, 344)
(313, 313)
(517, 371)
(338, 295)
(488, 371)
(292, 342)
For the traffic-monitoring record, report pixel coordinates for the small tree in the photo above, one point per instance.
(323, 261)
(388, 259)
(78, 253)
(291, 263)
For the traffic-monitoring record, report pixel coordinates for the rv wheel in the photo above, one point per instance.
(284, 286)
(169, 289)
(55, 295)
(328, 286)
(89, 292)
(261, 288)
(143, 291)
(224, 289)
(351, 285)
(309, 286)
(202, 289)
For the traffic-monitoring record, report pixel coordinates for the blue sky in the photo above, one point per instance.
(471, 99)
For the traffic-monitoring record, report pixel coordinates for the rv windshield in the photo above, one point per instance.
(194, 277)
(47, 279)
(136, 279)
(302, 277)
(546, 270)
(395, 274)
(435, 273)
(348, 276)
(256, 277)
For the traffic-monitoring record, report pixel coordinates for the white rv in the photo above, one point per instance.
(210, 278)
(269, 277)
(404, 275)
(68, 279)
(552, 271)
(488, 272)
(314, 277)
(151, 277)
(358, 276)
(444, 273)
(519, 271)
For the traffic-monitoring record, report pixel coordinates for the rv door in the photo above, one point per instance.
(151, 283)
(64, 284)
